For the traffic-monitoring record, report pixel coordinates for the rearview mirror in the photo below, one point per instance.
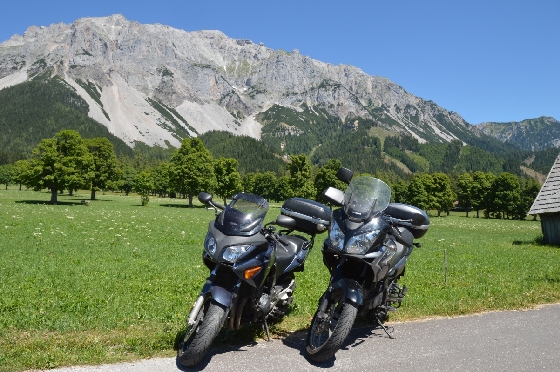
(334, 196)
(204, 198)
(345, 175)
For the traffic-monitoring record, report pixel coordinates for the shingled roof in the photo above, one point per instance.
(548, 199)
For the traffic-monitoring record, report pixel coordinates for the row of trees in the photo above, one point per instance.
(68, 162)
(502, 196)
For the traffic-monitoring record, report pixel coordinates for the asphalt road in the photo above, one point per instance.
(497, 341)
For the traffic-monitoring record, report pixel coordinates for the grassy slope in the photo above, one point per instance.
(115, 281)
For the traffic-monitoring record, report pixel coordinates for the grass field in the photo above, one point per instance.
(113, 281)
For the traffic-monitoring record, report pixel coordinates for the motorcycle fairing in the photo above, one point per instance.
(264, 259)
(291, 255)
(352, 229)
(223, 241)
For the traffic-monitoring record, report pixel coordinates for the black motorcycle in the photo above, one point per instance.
(370, 240)
(251, 266)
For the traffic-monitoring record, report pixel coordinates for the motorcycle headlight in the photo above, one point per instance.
(359, 244)
(210, 244)
(231, 254)
(336, 236)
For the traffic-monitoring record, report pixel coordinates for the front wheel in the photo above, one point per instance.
(201, 334)
(329, 330)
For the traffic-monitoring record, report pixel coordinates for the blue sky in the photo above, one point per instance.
(491, 60)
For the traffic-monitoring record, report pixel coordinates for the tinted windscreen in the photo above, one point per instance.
(243, 216)
(365, 197)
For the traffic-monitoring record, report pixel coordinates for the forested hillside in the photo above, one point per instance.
(252, 155)
(396, 157)
(38, 109)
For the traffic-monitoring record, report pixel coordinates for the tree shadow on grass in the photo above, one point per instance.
(535, 241)
(169, 205)
(64, 202)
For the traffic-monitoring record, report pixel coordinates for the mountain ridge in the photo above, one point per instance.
(155, 84)
(529, 134)
(204, 80)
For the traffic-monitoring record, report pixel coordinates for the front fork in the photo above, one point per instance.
(219, 294)
(351, 290)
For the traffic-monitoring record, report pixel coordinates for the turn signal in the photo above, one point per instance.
(249, 273)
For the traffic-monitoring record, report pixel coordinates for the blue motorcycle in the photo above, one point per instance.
(251, 265)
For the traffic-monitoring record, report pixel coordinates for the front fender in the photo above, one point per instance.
(221, 296)
(351, 289)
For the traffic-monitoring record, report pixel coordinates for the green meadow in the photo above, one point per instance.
(114, 281)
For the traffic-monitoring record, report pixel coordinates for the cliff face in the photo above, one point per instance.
(157, 84)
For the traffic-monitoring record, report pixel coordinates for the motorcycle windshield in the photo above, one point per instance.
(365, 197)
(244, 215)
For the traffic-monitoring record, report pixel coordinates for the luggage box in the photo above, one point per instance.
(416, 216)
(311, 217)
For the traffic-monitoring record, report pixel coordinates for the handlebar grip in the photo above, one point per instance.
(282, 240)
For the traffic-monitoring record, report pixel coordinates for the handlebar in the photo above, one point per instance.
(397, 221)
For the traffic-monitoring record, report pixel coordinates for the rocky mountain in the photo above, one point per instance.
(156, 84)
(531, 134)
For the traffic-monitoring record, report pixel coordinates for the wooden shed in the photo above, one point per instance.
(547, 205)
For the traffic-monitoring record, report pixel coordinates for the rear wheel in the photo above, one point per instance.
(201, 334)
(329, 330)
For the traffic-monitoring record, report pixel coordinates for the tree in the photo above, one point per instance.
(400, 191)
(442, 196)
(143, 184)
(104, 163)
(464, 191)
(529, 191)
(228, 179)
(264, 184)
(192, 169)
(20, 169)
(60, 162)
(282, 188)
(416, 192)
(248, 180)
(480, 190)
(127, 174)
(300, 184)
(326, 176)
(5, 175)
(160, 175)
(505, 195)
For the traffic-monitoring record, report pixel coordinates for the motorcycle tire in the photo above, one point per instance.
(199, 336)
(326, 336)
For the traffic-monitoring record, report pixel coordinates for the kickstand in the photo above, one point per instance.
(265, 326)
(384, 328)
